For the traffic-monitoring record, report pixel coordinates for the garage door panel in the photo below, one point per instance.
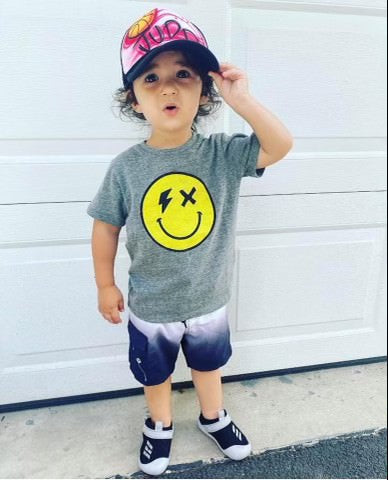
(44, 380)
(55, 342)
(49, 179)
(333, 63)
(42, 286)
(322, 282)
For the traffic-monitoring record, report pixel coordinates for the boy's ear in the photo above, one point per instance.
(203, 100)
(136, 107)
(132, 100)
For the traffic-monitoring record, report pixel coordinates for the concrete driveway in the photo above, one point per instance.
(101, 439)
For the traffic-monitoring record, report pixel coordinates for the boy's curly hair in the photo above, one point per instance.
(125, 97)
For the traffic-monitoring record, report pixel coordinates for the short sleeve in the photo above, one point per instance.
(109, 203)
(243, 151)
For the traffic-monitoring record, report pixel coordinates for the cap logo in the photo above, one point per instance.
(138, 27)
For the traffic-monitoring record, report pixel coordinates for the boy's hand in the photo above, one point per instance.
(110, 303)
(232, 83)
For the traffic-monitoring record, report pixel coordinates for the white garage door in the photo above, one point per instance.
(309, 283)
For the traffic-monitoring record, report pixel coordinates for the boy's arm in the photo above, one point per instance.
(275, 140)
(104, 248)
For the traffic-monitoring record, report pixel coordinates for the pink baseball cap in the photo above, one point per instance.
(157, 31)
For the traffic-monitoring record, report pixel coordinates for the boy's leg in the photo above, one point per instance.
(209, 390)
(158, 399)
(154, 455)
(208, 357)
(220, 427)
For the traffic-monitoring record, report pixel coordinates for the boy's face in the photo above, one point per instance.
(165, 81)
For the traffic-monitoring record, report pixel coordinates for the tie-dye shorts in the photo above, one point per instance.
(154, 347)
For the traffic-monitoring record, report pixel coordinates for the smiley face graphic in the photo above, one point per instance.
(177, 211)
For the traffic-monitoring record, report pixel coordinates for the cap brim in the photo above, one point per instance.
(205, 56)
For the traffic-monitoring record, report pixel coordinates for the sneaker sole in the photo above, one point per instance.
(149, 470)
(203, 430)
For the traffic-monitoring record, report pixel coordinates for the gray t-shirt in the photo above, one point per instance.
(179, 206)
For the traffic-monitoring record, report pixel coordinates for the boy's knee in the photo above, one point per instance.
(166, 382)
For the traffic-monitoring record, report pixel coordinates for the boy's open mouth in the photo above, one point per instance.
(170, 106)
(171, 110)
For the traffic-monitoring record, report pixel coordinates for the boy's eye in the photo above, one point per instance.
(151, 77)
(184, 72)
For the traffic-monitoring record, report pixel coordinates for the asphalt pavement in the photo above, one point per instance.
(358, 455)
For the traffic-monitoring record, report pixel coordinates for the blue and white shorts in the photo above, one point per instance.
(154, 347)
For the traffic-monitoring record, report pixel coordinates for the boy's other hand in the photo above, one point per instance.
(110, 303)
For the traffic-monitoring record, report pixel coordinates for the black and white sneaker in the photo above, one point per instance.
(231, 441)
(155, 449)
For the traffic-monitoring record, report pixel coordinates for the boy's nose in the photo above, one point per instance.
(169, 87)
(169, 91)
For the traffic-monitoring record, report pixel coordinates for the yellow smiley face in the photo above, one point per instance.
(178, 211)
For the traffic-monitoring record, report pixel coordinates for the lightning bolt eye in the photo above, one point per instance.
(164, 200)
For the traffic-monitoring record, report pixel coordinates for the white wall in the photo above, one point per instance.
(311, 242)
